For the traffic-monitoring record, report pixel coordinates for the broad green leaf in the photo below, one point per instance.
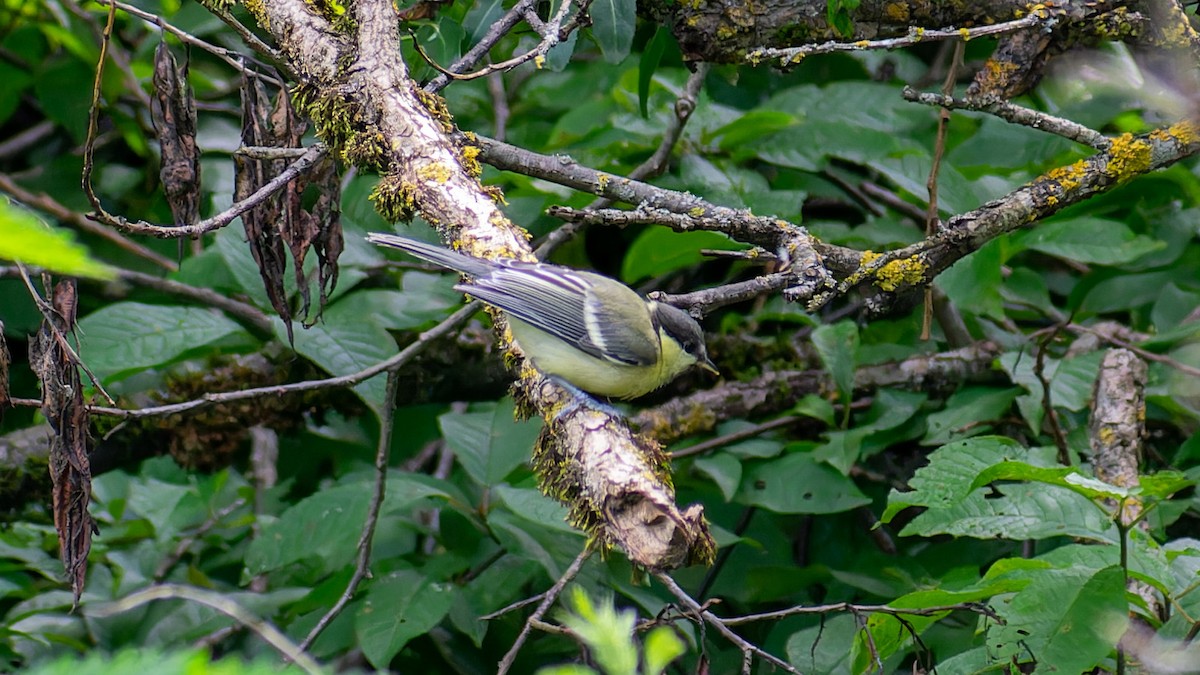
(750, 127)
(1017, 511)
(1067, 619)
(816, 407)
(659, 250)
(973, 283)
(535, 507)
(26, 239)
(798, 484)
(543, 542)
(1090, 240)
(890, 635)
(425, 298)
(345, 343)
(399, 607)
(612, 26)
(488, 442)
(837, 345)
(480, 19)
(128, 337)
(823, 649)
(965, 413)
(326, 526)
(947, 478)
(724, 469)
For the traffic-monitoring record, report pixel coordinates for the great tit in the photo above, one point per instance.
(590, 331)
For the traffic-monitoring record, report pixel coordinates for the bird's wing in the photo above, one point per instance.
(561, 302)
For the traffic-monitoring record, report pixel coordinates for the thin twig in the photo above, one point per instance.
(253, 316)
(445, 327)
(543, 607)
(740, 435)
(362, 566)
(50, 206)
(228, 56)
(185, 543)
(793, 55)
(1015, 114)
(705, 616)
(475, 54)
(1148, 355)
(222, 604)
(47, 313)
(306, 162)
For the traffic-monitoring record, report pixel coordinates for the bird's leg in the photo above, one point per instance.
(581, 399)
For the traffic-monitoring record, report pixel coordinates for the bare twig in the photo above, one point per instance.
(230, 57)
(544, 606)
(362, 565)
(47, 204)
(446, 326)
(1011, 112)
(475, 54)
(47, 312)
(793, 55)
(705, 616)
(185, 543)
(222, 604)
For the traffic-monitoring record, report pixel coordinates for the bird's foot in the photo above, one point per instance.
(579, 399)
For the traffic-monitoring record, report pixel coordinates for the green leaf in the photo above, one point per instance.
(651, 57)
(606, 631)
(973, 283)
(26, 239)
(345, 343)
(750, 127)
(822, 648)
(662, 647)
(327, 525)
(890, 635)
(1090, 240)
(1068, 619)
(399, 607)
(612, 26)
(488, 442)
(658, 250)
(965, 413)
(128, 337)
(724, 469)
(837, 345)
(796, 483)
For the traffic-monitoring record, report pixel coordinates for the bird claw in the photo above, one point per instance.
(579, 399)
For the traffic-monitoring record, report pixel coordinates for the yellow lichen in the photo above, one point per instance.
(602, 181)
(964, 33)
(470, 160)
(539, 61)
(435, 171)
(1128, 157)
(907, 272)
(1068, 177)
(1184, 133)
(696, 211)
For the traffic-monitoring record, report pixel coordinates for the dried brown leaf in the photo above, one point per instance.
(173, 110)
(64, 409)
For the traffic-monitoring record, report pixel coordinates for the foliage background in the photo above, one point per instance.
(463, 531)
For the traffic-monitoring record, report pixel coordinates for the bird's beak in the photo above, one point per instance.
(708, 365)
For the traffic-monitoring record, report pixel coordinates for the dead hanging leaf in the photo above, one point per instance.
(281, 223)
(173, 110)
(63, 407)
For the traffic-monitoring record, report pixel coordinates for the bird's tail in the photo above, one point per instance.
(476, 267)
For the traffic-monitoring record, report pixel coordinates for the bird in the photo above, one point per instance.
(585, 330)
